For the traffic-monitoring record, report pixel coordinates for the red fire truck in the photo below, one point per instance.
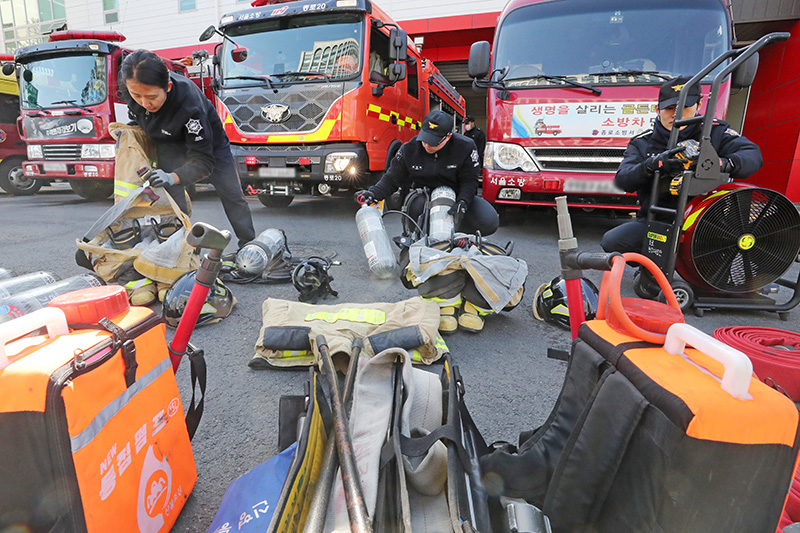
(317, 96)
(571, 82)
(68, 97)
(12, 148)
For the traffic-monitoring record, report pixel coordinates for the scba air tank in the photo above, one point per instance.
(377, 246)
(34, 299)
(255, 256)
(441, 222)
(5, 274)
(26, 282)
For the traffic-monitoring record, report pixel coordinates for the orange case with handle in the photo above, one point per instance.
(91, 426)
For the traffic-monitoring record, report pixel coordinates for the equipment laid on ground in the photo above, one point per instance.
(267, 258)
(311, 278)
(376, 243)
(775, 354)
(650, 435)
(10, 286)
(91, 420)
(550, 302)
(732, 239)
(218, 303)
(28, 301)
(5, 274)
(290, 328)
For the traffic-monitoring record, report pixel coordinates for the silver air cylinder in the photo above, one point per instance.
(441, 223)
(34, 299)
(255, 256)
(26, 282)
(377, 246)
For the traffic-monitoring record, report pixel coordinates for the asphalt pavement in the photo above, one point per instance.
(511, 384)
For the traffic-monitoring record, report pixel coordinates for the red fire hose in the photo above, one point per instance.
(775, 354)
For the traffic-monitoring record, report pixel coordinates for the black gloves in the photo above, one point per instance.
(159, 178)
(665, 162)
(458, 208)
(726, 166)
(364, 197)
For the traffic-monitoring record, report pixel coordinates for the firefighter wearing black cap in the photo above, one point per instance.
(438, 157)
(472, 131)
(648, 152)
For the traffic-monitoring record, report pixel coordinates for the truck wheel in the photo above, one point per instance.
(92, 189)
(14, 181)
(270, 200)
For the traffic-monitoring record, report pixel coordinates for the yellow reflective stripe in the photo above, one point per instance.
(138, 283)
(444, 302)
(126, 185)
(321, 134)
(440, 344)
(691, 218)
(124, 194)
(560, 309)
(416, 356)
(547, 294)
(367, 316)
(292, 354)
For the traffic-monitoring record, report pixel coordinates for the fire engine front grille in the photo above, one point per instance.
(61, 152)
(307, 104)
(578, 159)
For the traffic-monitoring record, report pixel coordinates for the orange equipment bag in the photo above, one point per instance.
(91, 420)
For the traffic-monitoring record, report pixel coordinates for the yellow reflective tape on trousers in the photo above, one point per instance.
(367, 316)
(440, 344)
(138, 283)
(292, 354)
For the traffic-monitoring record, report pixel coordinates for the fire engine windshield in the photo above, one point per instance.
(305, 48)
(590, 40)
(62, 81)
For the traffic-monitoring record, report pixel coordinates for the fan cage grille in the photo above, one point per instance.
(773, 222)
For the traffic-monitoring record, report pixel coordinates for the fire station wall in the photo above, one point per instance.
(773, 116)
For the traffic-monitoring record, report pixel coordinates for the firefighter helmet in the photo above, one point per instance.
(550, 302)
(219, 302)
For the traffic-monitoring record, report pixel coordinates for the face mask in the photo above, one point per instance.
(468, 127)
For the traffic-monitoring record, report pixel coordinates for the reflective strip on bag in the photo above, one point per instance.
(121, 186)
(366, 316)
(85, 437)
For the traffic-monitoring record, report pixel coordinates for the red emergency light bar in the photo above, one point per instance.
(6, 57)
(111, 36)
(259, 3)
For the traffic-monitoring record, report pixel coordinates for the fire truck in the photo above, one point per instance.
(68, 97)
(317, 96)
(570, 83)
(12, 147)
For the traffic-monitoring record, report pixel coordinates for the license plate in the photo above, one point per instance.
(55, 167)
(591, 186)
(266, 172)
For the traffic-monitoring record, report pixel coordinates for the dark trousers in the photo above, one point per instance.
(480, 215)
(627, 237)
(229, 190)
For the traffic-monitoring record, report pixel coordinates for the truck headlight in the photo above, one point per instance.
(339, 162)
(508, 156)
(98, 151)
(35, 151)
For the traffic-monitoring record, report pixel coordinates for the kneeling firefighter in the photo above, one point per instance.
(438, 157)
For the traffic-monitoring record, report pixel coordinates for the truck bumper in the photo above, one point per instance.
(87, 169)
(301, 169)
(541, 188)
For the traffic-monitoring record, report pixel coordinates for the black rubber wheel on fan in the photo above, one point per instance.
(94, 190)
(683, 293)
(13, 179)
(644, 288)
(270, 200)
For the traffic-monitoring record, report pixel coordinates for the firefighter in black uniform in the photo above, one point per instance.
(190, 141)
(438, 157)
(472, 131)
(739, 157)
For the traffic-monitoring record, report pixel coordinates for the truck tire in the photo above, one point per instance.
(14, 181)
(271, 200)
(94, 190)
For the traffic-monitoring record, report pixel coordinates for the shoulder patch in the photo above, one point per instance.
(474, 157)
(731, 131)
(193, 126)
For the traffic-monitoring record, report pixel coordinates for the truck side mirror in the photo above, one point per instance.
(398, 41)
(745, 73)
(239, 54)
(397, 72)
(8, 69)
(207, 33)
(479, 60)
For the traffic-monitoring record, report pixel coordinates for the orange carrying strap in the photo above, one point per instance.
(767, 417)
